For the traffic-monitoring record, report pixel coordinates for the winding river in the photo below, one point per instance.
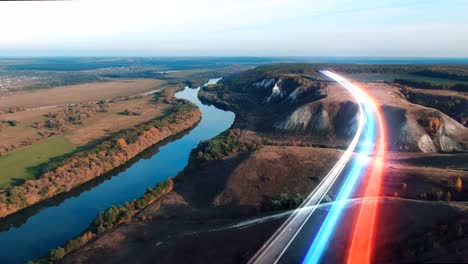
(33, 232)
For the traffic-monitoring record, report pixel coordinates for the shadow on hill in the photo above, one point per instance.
(200, 186)
(453, 161)
(16, 181)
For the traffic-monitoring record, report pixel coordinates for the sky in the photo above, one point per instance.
(383, 28)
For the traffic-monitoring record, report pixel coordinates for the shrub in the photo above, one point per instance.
(459, 184)
(287, 201)
(222, 145)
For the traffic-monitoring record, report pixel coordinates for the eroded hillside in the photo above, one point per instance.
(321, 111)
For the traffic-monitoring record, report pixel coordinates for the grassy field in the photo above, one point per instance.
(23, 163)
(79, 93)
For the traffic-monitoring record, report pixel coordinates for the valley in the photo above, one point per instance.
(291, 126)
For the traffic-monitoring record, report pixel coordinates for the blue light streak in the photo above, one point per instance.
(322, 238)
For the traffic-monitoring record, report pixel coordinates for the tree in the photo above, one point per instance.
(459, 184)
(122, 143)
(11, 122)
(57, 254)
(327, 198)
(459, 230)
(404, 186)
(73, 244)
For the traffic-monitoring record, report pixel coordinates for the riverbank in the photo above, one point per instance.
(258, 166)
(109, 219)
(58, 220)
(85, 166)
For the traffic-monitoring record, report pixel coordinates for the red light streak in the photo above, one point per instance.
(360, 249)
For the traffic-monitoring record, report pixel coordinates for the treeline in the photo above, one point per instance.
(109, 219)
(453, 106)
(83, 166)
(67, 64)
(442, 75)
(152, 74)
(374, 69)
(64, 80)
(459, 87)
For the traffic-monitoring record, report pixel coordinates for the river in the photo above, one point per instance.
(32, 233)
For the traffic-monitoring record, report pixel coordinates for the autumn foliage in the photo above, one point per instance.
(87, 165)
(110, 218)
(459, 184)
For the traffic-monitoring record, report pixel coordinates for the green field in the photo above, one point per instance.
(24, 163)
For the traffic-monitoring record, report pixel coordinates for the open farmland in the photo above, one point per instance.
(79, 93)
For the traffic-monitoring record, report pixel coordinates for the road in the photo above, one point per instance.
(369, 128)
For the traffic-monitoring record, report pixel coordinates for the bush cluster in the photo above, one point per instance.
(223, 145)
(287, 201)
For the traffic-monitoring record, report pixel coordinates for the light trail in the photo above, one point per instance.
(275, 247)
(320, 242)
(361, 240)
(360, 250)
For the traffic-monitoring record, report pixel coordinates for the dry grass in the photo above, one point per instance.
(93, 128)
(79, 93)
(101, 124)
(14, 135)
